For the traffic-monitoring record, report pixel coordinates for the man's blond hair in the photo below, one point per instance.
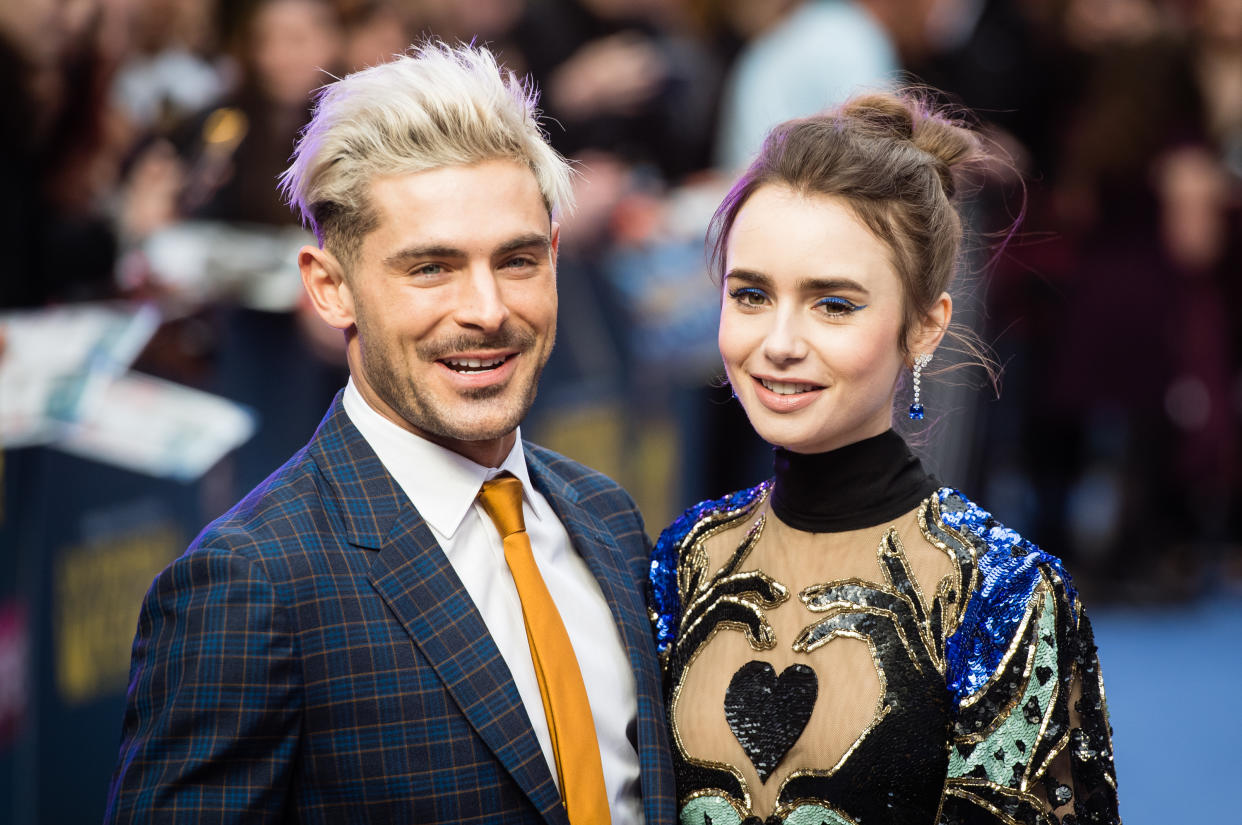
(432, 107)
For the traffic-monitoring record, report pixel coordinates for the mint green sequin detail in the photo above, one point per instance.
(714, 809)
(719, 811)
(816, 815)
(1000, 751)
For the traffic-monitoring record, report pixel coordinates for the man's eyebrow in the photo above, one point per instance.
(414, 253)
(759, 279)
(528, 241)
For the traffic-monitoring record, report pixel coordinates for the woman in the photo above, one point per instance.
(851, 642)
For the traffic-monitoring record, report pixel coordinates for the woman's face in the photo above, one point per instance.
(810, 321)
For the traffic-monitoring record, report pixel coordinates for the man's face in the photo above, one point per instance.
(454, 303)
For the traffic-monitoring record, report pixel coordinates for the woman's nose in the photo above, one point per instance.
(784, 342)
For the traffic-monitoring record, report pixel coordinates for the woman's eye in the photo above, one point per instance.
(834, 305)
(748, 296)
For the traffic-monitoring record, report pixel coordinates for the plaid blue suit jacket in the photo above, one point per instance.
(313, 657)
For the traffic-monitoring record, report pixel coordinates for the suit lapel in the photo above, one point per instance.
(414, 577)
(593, 540)
(595, 544)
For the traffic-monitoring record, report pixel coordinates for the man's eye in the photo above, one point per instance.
(520, 262)
(427, 269)
(748, 296)
(835, 305)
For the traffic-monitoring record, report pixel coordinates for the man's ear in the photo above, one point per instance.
(926, 334)
(556, 241)
(324, 279)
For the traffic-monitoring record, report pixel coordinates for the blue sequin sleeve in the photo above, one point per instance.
(1020, 654)
(663, 598)
(1010, 568)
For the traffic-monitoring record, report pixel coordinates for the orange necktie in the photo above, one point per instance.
(564, 694)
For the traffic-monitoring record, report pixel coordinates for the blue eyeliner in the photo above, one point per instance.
(840, 305)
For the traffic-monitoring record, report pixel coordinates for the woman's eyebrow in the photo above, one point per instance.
(749, 276)
(830, 285)
(804, 284)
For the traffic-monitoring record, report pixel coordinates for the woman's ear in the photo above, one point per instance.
(325, 283)
(926, 334)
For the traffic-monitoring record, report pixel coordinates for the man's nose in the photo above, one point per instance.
(481, 303)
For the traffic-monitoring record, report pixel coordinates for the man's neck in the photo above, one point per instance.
(490, 452)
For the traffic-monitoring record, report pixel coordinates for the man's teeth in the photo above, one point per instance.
(473, 364)
(786, 388)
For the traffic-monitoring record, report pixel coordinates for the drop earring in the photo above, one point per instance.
(916, 406)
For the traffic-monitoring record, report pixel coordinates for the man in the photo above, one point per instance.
(371, 635)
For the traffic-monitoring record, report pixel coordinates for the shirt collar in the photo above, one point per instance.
(441, 484)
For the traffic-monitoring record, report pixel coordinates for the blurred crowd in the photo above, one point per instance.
(1114, 304)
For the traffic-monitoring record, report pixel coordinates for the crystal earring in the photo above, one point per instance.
(916, 407)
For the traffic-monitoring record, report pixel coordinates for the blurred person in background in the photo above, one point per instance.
(173, 67)
(635, 80)
(1118, 399)
(374, 31)
(1217, 44)
(800, 57)
(852, 641)
(377, 628)
(287, 49)
(61, 150)
(1203, 221)
(992, 56)
(214, 177)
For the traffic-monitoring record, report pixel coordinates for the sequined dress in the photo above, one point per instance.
(850, 643)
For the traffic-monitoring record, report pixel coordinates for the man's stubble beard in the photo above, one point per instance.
(421, 411)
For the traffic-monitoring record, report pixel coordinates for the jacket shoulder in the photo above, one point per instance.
(584, 485)
(575, 473)
(290, 506)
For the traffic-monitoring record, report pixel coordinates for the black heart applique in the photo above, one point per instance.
(767, 714)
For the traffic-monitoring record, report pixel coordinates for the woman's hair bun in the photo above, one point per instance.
(907, 116)
(881, 114)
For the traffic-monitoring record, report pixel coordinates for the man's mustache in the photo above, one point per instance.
(505, 338)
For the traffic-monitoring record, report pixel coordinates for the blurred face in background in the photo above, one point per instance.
(292, 44)
(810, 322)
(1221, 20)
(1096, 24)
(467, 19)
(42, 30)
(373, 36)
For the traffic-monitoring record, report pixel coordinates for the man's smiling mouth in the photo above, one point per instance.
(472, 366)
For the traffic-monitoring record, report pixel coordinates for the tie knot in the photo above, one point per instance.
(502, 499)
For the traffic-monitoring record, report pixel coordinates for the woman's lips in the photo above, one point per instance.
(785, 396)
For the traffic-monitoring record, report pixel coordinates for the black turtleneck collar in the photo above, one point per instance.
(859, 485)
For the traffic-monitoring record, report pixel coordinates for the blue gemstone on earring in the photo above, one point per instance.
(916, 412)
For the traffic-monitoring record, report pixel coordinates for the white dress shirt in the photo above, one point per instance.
(443, 486)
